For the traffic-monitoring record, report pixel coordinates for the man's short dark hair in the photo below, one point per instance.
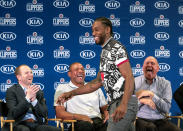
(105, 21)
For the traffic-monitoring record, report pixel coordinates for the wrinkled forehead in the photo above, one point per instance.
(76, 66)
(150, 59)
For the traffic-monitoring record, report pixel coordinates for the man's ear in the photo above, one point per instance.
(18, 77)
(69, 73)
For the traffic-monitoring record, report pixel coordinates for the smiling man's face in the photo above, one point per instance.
(150, 68)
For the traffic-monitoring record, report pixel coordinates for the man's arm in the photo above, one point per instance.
(126, 72)
(104, 112)
(88, 88)
(63, 114)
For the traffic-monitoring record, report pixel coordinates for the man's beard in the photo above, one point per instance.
(101, 40)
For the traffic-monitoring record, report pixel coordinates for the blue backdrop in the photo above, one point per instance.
(49, 35)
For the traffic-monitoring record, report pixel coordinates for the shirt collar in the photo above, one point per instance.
(154, 80)
(107, 42)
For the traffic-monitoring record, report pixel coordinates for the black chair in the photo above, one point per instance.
(3, 115)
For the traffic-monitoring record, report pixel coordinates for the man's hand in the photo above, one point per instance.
(31, 92)
(119, 113)
(64, 97)
(149, 102)
(145, 93)
(106, 116)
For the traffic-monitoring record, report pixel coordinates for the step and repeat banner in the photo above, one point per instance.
(49, 35)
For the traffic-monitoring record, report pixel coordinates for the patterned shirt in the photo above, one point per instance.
(113, 54)
(162, 97)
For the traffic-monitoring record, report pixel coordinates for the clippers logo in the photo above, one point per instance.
(34, 6)
(86, 22)
(87, 39)
(8, 69)
(162, 5)
(90, 71)
(137, 39)
(61, 3)
(61, 68)
(60, 21)
(180, 40)
(115, 21)
(61, 53)
(35, 54)
(87, 54)
(7, 20)
(87, 7)
(137, 71)
(112, 4)
(161, 36)
(181, 54)
(161, 21)
(116, 35)
(137, 8)
(162, 52)
(37, 72)
(61, 35)
(41, 86)
(34, 21)
(181, 23)
(8, 36)
(138, 54)
(35, 39)
(137, 22)
(62, 81)
(181, 71)
(5, 86)
(8, 53)
(8, 3)
(180, 9)
(164, 67)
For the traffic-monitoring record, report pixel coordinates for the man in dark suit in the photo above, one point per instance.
(26, 103)
(178, 96)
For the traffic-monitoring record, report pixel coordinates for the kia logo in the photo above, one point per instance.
(161, 5)
(35, 54)
(34, 21)
(181, 54)
(112, 4)
(161, 36)
(61, 35)
(87, 54)
(137, 54)
(164, 67)
(61, 68)
(8, 36)
(86, 22)
(8, 69)
(61, 3)
(8, 3)
(137, 22)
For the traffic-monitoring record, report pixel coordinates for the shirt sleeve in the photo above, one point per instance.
(121, 55)
(163, 103)
(102, 99)
(58, 92)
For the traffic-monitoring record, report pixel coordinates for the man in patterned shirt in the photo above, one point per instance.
(115, 75)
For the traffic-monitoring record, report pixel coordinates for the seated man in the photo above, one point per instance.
(26, 103)
(154, 99)
(83, 108)
(178, 96)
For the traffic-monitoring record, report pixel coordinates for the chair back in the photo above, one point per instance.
(3, 109)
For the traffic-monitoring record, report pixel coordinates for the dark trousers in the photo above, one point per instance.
(155, 125)
(97, 125)
(31, 126)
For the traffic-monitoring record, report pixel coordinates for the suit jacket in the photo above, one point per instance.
(178, 96)
(18, 105)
